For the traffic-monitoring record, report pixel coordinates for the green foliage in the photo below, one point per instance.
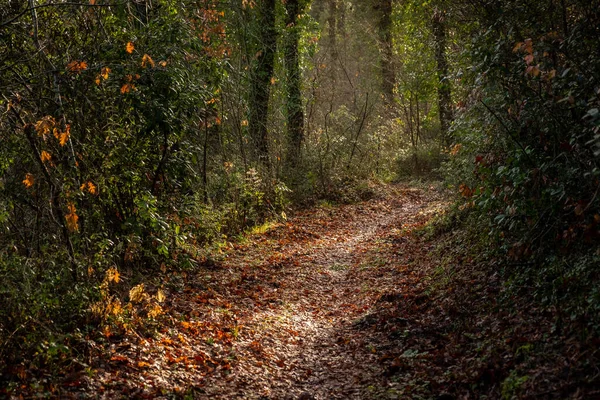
(512, 385)
(525, 162)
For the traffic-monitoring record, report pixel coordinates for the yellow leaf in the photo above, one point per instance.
(245, 122)
(91, 188)
(155, 311)
(129, 48)
(162, 63)
(104, 72)
(147, 60)
(273, 80)
(28, 181)
(112, 275)
(97, 80)
(116, 307)
(160, 296)
(45, 156)
(136, 294)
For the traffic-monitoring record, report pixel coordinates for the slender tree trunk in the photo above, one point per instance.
(388, 76)
(332, 28)
(444, 90)
(260, 79)
(295, 112)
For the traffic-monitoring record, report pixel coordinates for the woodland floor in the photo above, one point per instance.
(339, 302)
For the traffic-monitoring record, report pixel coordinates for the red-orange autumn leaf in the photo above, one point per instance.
(104, 72)
(147, 60)
(45, 125)
(45, 156)
(129, 47)
(126, 88)
(28, 181)
(89, 186)
(64, 137)
(465, 191)
(77, 66)
(72, 218)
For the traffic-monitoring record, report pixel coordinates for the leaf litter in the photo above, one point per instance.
(344, 302)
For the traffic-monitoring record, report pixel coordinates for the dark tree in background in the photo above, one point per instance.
(439, 30)
(385, 24)
(294, 102)
(261, 74)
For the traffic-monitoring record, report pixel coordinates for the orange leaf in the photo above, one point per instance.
(112, 275)
(147, 60)
(130, 47)
(126, 88)
(76, 66)
(45, 156)
(72, 218)
(455, 149)
(64, 136)
(45, 125)
(28, 181)
(517, 47)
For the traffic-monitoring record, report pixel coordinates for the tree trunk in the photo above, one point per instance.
(444, 90)
(295, 112)
(260, 79)
(332, 31)
(388, 77)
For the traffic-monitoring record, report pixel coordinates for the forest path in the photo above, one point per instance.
(282, 314)
(315, 280)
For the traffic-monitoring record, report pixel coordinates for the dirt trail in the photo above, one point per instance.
(279, 316)
(329, 278)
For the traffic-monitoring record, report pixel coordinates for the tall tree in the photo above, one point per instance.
(295, 112)
(388, 78)
(260, 78)
(438, 24)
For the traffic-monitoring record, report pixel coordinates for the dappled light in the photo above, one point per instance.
(300, 199)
